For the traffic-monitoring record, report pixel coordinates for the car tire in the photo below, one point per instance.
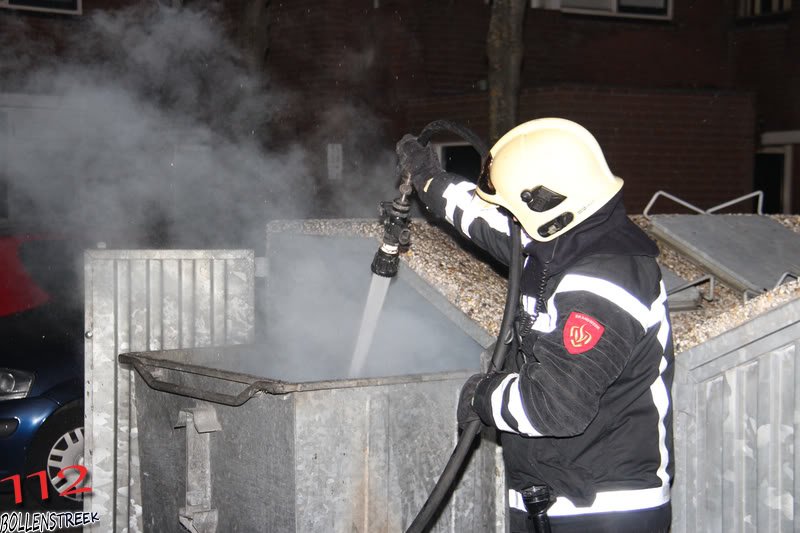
(57, 444)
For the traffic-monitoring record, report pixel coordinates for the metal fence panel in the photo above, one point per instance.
(148, 300)
(736, 401)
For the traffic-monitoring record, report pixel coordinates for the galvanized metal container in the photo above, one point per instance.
(737, 399)
(225, 451)
(148, 300)
(280, 437)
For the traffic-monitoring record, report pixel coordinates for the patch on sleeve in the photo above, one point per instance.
(581, 333)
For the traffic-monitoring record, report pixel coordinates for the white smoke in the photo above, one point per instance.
(148, 128)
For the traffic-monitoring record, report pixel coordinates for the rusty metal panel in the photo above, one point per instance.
(148, 300)
(736, 400)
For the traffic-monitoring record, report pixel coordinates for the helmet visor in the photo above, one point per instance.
(485, 178)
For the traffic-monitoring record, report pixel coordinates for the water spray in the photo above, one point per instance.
(396, 237)
(395, 220)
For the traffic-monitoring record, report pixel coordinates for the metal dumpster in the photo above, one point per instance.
(276, 436)
(737, 452)
(349, 455)
(148, 300)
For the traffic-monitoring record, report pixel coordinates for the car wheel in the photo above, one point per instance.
(58, 445)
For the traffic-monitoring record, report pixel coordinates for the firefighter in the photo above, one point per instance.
(583, 404)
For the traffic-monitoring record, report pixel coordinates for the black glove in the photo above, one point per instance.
(466, 413)
(420, 162)
(475, 400)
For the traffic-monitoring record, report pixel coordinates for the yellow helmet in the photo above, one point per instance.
(550, 173)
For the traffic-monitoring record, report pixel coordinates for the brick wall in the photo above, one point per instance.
(339, 50)
(697, 145)
(679, 126)
(767, 64)
(688, 51)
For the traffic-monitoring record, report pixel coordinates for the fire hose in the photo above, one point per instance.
(396, 235)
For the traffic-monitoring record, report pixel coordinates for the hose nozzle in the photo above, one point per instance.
(396, 233)
(385, 263)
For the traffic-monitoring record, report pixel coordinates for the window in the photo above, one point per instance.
(461, 159)
(67, 7)
(761, 8)
(655, 9)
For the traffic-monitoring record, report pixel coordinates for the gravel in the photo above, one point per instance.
(473, 286)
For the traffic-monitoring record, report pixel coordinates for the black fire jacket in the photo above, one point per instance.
(585, 404)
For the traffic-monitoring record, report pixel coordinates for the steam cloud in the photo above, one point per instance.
(151, 130)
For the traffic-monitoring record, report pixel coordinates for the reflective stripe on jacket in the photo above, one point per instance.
(585, 407)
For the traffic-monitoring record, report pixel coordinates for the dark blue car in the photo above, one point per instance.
(41, 366)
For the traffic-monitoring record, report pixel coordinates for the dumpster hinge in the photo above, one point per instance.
(198, 516)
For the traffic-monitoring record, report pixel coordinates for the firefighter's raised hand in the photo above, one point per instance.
(419, 162)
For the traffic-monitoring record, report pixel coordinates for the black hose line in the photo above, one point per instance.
(461, 452)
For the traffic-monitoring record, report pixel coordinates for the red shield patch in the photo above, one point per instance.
(581, 333)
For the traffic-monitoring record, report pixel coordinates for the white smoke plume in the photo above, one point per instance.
(147, 128)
